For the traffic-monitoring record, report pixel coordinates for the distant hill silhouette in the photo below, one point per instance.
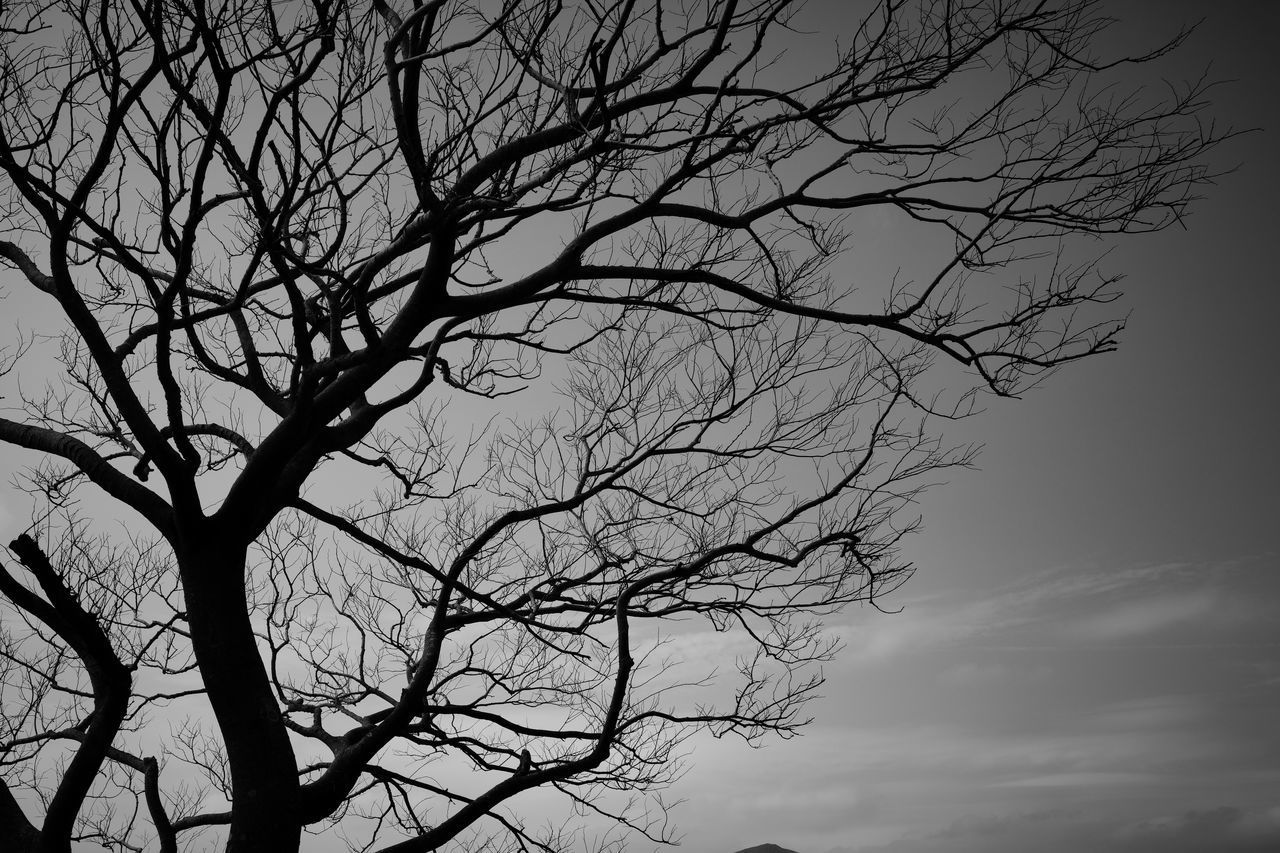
(766, 848)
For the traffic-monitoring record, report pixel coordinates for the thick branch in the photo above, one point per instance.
(41, 280)
(110, 678)
(14, 824)
(114, 482)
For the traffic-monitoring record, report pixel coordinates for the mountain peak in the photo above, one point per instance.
(766, 848)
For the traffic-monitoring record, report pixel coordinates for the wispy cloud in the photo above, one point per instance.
(1220, 829)
(1177, 602)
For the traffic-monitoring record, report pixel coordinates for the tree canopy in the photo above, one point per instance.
(397, 384)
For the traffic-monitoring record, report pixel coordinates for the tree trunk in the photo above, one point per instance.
(15, 829)
(264, 776)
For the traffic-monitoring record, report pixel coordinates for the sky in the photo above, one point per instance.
(1088, 657)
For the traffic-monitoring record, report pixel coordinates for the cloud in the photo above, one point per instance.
(1219, 829)
(1151, 615)
(1149, 713)
(1224, 828)
(1091, 779)
(925, 624)
(972, 674)
(1180, 603)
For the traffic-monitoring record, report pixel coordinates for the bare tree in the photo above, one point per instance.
(388, 376)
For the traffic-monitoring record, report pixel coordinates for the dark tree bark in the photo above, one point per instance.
(264, 772)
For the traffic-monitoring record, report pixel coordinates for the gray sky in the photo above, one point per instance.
(1088, 657)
